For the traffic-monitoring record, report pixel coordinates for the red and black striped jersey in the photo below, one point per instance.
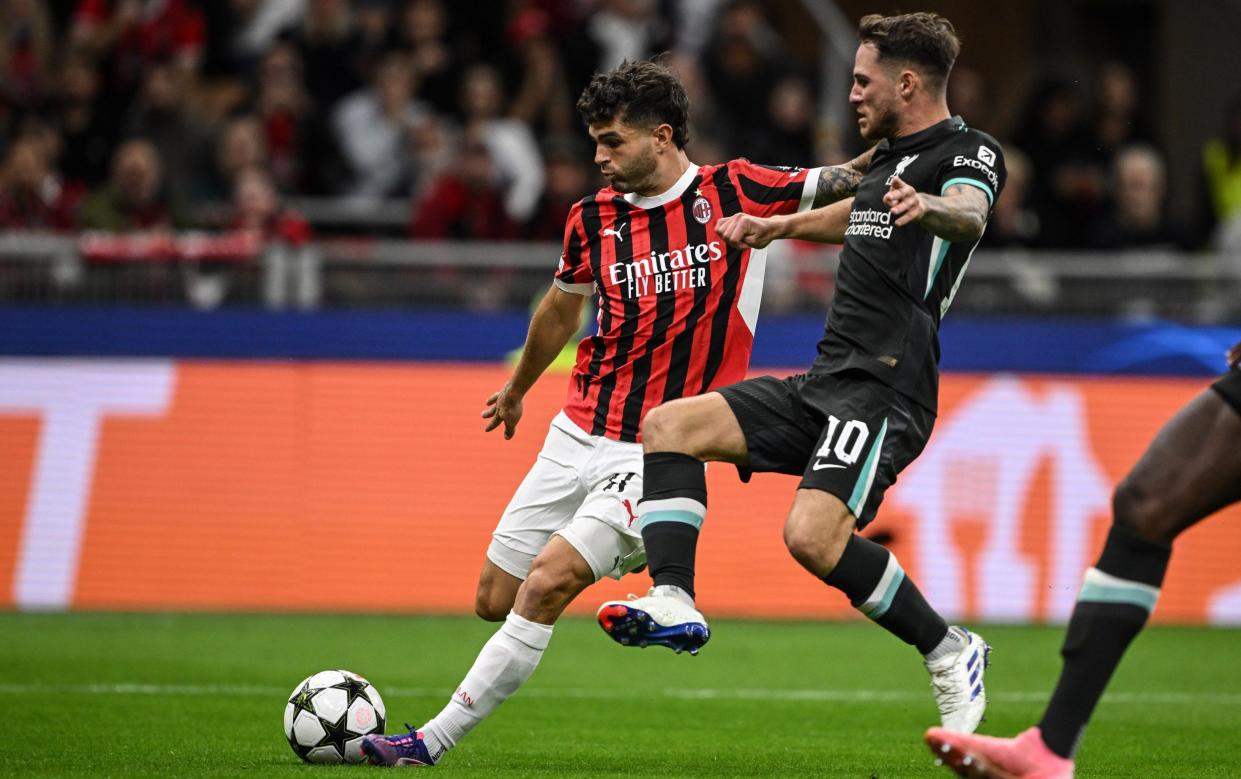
(677, 306)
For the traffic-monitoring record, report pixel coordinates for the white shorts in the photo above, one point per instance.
(584, 488)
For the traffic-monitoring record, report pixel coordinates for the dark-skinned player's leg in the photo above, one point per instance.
(1191, 470)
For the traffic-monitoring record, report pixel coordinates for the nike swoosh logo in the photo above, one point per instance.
(818, 466)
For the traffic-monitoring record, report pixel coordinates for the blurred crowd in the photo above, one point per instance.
(1086, 169)
(124, 115)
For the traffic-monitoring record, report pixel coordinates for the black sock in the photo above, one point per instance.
(673, 506)
(877, 586)
(1114, 603)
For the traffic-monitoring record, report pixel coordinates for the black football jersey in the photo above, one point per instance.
(895, 284)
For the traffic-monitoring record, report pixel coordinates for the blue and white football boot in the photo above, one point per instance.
(401, 750)
(658, 619)
(958, 685)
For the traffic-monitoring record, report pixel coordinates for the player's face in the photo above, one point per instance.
(874, 95)
(625, 155)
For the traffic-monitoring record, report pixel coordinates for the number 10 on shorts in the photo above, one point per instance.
(847, 446)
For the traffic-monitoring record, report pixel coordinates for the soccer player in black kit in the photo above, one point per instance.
(865, 408)
(1190, 471)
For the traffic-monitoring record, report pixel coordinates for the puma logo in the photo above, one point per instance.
(629, 509)
(608, 231)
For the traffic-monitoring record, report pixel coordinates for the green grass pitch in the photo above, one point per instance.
(202, 695)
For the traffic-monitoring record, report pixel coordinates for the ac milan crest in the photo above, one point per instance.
(702, 210)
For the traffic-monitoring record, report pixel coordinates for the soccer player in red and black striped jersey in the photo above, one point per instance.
(677, 307)
(677, 310)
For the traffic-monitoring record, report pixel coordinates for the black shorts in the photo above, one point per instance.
(848, 434)
(1229, 386)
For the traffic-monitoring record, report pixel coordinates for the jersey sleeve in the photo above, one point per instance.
(976, 162)
(766, 190)
(575, 274)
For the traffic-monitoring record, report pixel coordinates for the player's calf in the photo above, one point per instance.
(1117, 597)
(877, 586)
(497, 591)
(556, 577)
(1190, 471)
(1135, 506)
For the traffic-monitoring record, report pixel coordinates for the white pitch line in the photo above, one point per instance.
(601, 694)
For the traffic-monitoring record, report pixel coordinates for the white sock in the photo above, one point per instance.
(508, 659)
(952, 643)
(673, 591)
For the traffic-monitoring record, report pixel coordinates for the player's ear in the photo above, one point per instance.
(908, 83)
(663, 136)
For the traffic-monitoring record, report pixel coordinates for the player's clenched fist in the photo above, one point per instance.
(905, 203)
(745, 231)
(504, 406)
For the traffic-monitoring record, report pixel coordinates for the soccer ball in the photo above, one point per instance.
(328, 714)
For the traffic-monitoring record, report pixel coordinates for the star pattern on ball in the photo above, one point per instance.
(336, 734)
(355, 688)
(303, 700)
(353, 702)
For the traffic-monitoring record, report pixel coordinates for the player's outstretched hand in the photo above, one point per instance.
(904, 202)
(743, 231)
(1234, 356)
(504, 406)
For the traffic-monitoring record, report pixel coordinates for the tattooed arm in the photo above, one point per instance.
(841, 181)
(824, 225)
(960, 214)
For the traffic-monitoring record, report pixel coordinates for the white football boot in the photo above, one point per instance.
(957, 682)
(657, 619)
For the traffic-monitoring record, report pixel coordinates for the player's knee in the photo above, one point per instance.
(811, 545)
(668, 428)
(491, 605)
(546, 592)
(1138, 508)
(804, 547)
(545, 587)
(489, 610)
(817, 530)
(659, 429)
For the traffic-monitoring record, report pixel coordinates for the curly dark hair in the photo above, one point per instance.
(642, 94)
(927, 40)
